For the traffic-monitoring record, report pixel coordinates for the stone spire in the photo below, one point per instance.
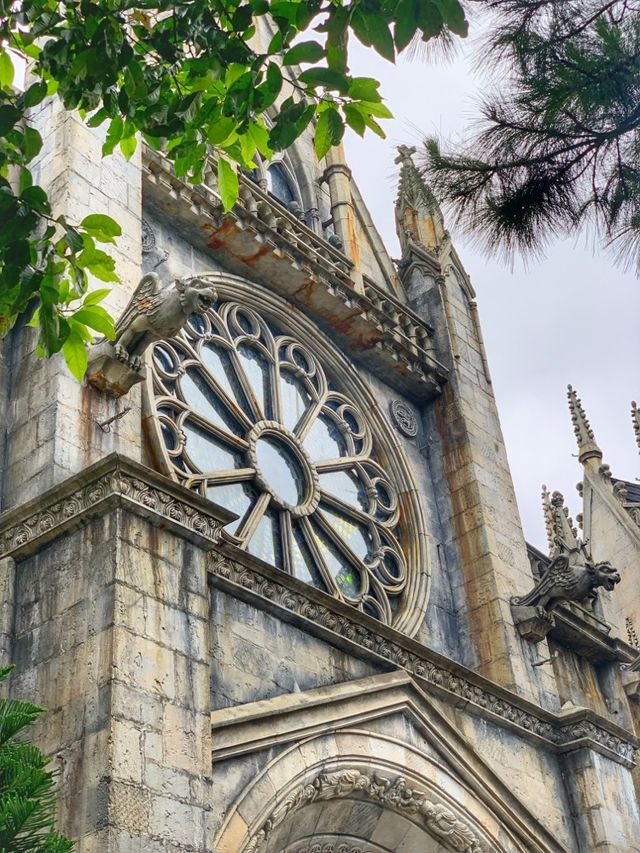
(562, 534)
(418, 215)
(587, 447)
(635, 417)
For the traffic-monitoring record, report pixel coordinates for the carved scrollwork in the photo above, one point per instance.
(395, 794)
(74, 506)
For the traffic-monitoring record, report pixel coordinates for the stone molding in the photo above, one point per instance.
(333, 846)
(113, 481)
(562, 732)
(393, 341)
(394, 794)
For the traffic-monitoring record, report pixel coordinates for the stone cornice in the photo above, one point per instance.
(260, 238)
(113, 481)
(293, 600)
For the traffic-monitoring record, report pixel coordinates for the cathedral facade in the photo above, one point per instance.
(267, 572)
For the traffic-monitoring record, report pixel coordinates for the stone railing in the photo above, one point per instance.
(261, 239)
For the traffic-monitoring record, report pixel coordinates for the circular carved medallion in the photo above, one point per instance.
(404, 418)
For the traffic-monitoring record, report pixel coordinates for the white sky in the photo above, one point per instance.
(570, 318)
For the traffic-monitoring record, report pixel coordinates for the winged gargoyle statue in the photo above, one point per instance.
(563, 581)
(571, 576)
(154, 313)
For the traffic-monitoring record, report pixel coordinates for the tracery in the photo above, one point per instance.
(249, 418)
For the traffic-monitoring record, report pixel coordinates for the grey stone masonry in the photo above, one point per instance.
(110, 633)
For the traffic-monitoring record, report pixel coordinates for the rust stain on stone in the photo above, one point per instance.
(473, 561)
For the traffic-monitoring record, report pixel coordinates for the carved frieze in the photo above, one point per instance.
(397, 795)
(113, 479)
(477, 694)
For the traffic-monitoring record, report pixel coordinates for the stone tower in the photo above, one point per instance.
(277, 597)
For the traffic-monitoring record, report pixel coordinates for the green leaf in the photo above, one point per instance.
(227, 183)
(114, 135)
(102, 228)
(36, 198)
(354, 119)
(364, 89)
(32, 143)
(96, 318)
(304, 51)
(329, 131)
(453, 16)
(128, 146)
(95, 296)
(326, 77)
(407, 20)
(75, 353)
(6, 70)
(9, 116)
(380, 36)
(36, 93)
(374, 109)
(221, 130)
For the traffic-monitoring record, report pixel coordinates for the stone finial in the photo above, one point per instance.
(587, 447)
(635, 417)
(562, 533)
(418, 215)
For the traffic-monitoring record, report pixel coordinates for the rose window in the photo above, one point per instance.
(249, 418)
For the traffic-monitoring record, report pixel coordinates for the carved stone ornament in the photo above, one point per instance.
(114, 480)
(404, 418)
(394, 794)
(148, 238)
(262, 582)
(571, 576)
(154, 313)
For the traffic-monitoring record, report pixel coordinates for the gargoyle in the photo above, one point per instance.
(563, 581)
(156, 313)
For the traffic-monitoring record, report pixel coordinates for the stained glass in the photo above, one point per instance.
(206, 452)
(266, 540)
(324, 441)
(346, 486)
(237, 497)
(295, 399)
(200, 397)
(280, 469)
(338, 526)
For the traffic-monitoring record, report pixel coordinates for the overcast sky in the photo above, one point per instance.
(570, 318)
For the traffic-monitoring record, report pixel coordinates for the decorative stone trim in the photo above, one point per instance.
(112, 481)
(561, 732)
(393, 341)
(404, 418)
(394, 794)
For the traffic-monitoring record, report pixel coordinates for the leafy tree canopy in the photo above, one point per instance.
(27, 800)
(559, 143)
(189, 77)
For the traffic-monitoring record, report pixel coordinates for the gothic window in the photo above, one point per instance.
(279, 184)
(248, 417)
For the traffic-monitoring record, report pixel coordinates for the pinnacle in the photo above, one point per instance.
(587, 446)
(635, 417)
(561, 531)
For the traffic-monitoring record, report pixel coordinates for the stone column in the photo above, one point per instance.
(51, 420)
(111, 635)
(338, 178)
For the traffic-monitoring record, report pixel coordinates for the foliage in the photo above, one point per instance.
(27, 802)
(559, 144)
(189, 77)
